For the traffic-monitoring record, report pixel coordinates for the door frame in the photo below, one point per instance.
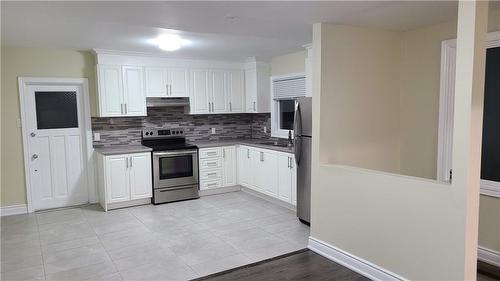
(88, 149)
(446, 104)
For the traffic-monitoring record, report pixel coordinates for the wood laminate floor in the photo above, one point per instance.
(302, 265)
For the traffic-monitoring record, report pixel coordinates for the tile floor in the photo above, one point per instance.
(177, 241)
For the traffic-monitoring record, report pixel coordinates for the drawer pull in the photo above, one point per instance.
(212, 184)
(212, 164)
(212, 153)
(211, 174)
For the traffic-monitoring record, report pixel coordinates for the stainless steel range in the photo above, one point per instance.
(175, 165)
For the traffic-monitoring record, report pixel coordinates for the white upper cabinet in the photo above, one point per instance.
(236, 90)
(219, 99)
(120, 91)
(134, 98)
(166, 82)
(178, 82)
(257, 87)
(156, 82)
(200, 95)
(109, 78)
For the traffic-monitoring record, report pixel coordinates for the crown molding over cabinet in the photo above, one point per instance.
(214, 87)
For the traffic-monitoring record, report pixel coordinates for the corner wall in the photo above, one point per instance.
(16, 62)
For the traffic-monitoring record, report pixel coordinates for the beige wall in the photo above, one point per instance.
(367, 88)
(400, 223)
(289, 63)
(30, 62)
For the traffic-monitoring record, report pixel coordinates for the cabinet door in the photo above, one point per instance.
(243, 166)
(220, 100)
(269, 175)
(293, 175)
(200, 91)
(251, 90)
(229, 166)
(109, 79)
(257, 180)
(134, 97)
(156, 82)
(236, 91)
(284, 179)
(117, 178)
(178, 82)
(140, 176)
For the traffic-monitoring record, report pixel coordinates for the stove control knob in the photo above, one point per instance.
(147, 133)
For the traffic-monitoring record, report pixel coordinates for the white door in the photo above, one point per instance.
(178, 82)
(236, 89)
(200, 91)
(140, 176)
(220, 100)
(117, 177)
(229, 165)
(284, 178)
(156, 82)
(56, 146)
(110, 91)
(134, 97)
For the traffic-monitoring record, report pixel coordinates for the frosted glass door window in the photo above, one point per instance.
(56, 110)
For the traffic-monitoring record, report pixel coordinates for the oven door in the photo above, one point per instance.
(175, 168)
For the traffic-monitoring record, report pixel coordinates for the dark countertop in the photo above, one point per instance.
(122, 149)
(249, 142)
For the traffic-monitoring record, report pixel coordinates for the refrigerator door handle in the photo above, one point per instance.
(297, 131)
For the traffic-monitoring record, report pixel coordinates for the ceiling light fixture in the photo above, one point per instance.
(171, 42)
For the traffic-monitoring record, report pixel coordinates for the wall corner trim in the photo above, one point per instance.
(352, 262)
(488, 256)
(13, 210)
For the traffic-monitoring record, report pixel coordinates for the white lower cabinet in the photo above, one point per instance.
(124, 177)
(269, 172)
(229, 166)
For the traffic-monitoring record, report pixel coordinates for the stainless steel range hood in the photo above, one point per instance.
(164, 102)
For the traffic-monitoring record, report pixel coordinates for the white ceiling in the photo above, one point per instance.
(262, 29)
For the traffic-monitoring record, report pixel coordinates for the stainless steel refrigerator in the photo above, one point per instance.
(302, 147)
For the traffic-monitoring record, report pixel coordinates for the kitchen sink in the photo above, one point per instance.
(273, 143)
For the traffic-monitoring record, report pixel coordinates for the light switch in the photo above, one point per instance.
(97, 137)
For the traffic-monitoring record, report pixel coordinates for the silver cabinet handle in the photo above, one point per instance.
(291, 163)
(223, 153)
(212, 184)
(35, 156)
(230, 106)
(131, 162)
(254, 107)
(288, 164)
(261, 157)
(169, 89)
(121, 108)
(211, 174)
(248, 153)
(126, 111)
(210, 164)
(211, 153)
(33, 134)
(126, 163)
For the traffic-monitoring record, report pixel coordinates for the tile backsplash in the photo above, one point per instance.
(127, 130)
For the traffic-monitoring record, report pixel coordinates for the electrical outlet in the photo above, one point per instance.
(97, 137)
(213, 131)
(265, 129)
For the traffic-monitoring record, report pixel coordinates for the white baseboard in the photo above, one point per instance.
(206, 192)
(352, 262)
(13, 210)
(488, 256)
(490, 188)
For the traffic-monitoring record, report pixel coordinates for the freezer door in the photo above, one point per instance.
(304, 180)
(303, 115)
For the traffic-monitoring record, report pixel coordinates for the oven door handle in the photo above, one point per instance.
(175, 153)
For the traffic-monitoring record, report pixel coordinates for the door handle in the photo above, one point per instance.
(33, 134)
(35, 156)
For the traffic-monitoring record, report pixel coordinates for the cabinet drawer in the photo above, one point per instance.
(210, 184)
(211, 174)
(210, 163)
(210, 152)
